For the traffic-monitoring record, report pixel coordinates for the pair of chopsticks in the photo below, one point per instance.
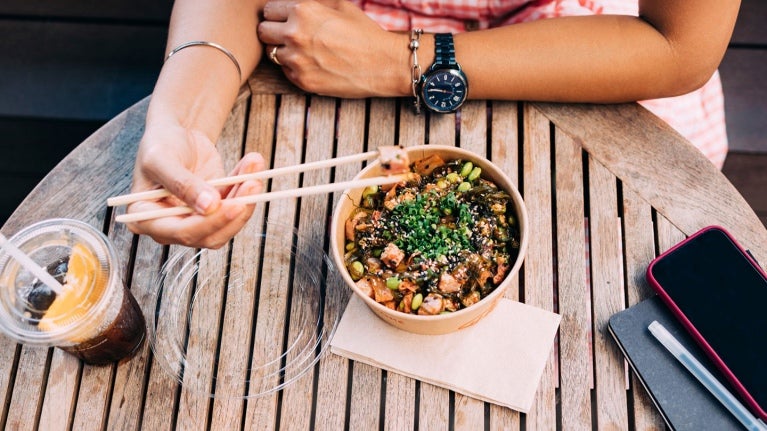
(262, 197)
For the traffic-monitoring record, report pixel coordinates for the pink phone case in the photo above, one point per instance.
(745, 396)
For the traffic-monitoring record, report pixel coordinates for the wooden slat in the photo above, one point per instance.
(412, 127)
(297, 399)
(234, 338)
(607, 294)
(334, 370)
(668, 235)
(365, 397)
(129, 386)
(434, 408)
(204, 320)
(239, 313)
(261, 412)
(538, 268)
(269, 79)
(26, 398)
(201, 345)
(473, 128)
(399, 412)
(504, 152)
(163, 389)
(441, 129)
(9, 352)
(161, 398)
(638, 237)
(574, 293)
(681, 184)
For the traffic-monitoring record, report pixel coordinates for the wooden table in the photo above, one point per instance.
(613, 174)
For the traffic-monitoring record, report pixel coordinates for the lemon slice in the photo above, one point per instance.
(83, 288)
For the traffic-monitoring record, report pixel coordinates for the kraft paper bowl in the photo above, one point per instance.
(443, 323)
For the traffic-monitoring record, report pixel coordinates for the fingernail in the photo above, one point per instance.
(234, 211)
(203, 202)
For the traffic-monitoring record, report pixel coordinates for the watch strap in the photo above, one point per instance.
(444, 52)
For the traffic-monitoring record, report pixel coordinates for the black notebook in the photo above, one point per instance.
(682, 400)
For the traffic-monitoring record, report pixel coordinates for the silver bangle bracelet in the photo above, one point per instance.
(415, 70)
(212, 45)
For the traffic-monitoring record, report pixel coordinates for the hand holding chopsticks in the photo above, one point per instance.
(263, 197)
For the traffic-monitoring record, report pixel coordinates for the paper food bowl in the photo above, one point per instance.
(442, 323)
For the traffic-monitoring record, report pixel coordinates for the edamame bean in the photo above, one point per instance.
(369, 191)
(464, 187)
(392, 283)
(417, 301)
(474, 174)
(466, 169)
(356, 270)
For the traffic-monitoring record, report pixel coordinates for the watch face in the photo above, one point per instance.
(444, 90)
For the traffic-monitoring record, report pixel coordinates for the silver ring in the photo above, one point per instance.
(273, 56)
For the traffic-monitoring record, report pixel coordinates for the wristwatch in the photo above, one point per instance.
(444, 86)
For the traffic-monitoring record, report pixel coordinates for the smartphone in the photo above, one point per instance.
(719, 294)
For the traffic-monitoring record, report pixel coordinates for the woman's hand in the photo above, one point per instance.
(333, 48)
(181, 160)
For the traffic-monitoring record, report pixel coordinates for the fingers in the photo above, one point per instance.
(196, 230)
(277, 10)
(250, 163)
(188, 186)
(210, 230)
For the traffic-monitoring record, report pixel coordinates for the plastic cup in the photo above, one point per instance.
(94, 318)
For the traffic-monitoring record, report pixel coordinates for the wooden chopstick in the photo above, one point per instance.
(263, 197)
(226, 181)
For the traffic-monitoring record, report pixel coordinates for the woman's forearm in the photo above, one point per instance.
(673, 49)
(198, 85)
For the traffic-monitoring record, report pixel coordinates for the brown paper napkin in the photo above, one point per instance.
(499, 359)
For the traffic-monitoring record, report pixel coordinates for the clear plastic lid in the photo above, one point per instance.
(27, 304)
(249, 319)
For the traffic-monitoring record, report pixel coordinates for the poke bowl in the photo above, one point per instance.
(434, 253)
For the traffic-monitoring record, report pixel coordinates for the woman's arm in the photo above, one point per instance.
(672, 48)
(198, 85)
(192, 99)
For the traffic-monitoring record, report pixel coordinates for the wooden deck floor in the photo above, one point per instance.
(33, 138)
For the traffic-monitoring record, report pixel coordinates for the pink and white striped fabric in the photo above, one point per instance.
(698, 116)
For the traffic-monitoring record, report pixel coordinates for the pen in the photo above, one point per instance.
(706, 378)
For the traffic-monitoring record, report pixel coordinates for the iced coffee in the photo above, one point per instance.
(90, 315)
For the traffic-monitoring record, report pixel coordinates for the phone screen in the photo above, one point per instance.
(724, 295)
